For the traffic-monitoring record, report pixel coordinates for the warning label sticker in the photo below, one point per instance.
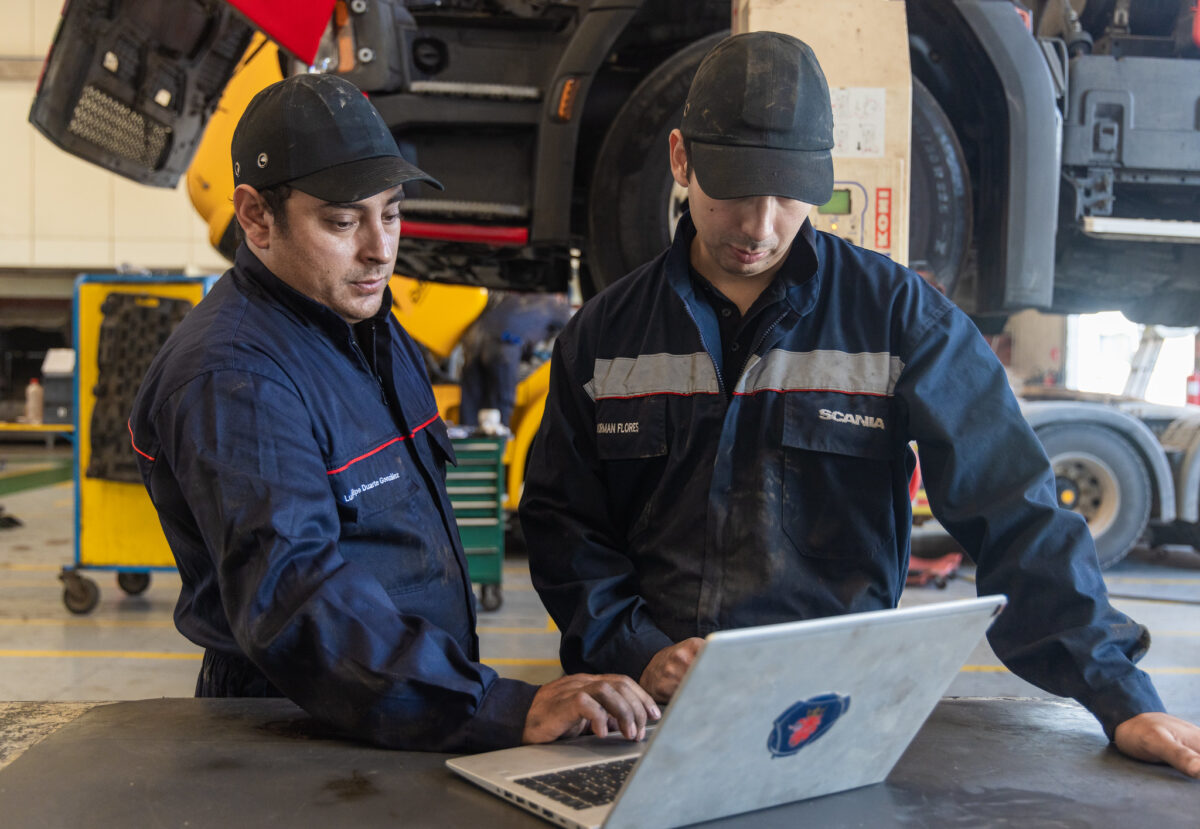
(859, 121)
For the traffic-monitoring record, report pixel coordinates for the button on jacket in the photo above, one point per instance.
(297, 464)
(666, 499)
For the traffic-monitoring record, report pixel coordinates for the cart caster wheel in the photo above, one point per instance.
(133, 583)
(80, 595)
(491, 599)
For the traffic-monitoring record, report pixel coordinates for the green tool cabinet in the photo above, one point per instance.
(476, 488)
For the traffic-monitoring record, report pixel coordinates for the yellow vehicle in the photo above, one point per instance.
(437, 316)
(434, 314)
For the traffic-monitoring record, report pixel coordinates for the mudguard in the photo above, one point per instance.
(1183, 436)
(558, 139)
(1034, 150)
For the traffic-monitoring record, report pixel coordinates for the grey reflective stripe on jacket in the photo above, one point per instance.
(778, 370)
(653, 374)
(783, 371)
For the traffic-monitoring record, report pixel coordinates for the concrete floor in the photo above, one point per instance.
(128, 648)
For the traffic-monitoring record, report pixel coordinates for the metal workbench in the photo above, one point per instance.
(221, 763)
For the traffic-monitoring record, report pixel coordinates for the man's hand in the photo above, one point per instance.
(609, 702)
(667, 667)
(1161, 738)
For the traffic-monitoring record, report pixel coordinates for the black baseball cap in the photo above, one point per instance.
(758, 120)
(321, 135)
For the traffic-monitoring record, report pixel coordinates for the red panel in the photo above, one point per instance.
(296, 25)
(914, 480)
(484, 234)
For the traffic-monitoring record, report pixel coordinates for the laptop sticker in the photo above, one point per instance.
(804, 722)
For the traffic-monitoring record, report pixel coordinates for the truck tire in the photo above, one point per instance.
(939, 234)
(1101, 477)
(633, 201)
(630, 192)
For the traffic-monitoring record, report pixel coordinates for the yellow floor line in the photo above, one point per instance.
(1141, 580)
(13, 654)
(1000, 669)
(1125, 598)
(15, 469)
(89, 623)
(984, 669)
(1173, 671)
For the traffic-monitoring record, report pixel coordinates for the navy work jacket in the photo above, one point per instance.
(665, 500)
(299, 479)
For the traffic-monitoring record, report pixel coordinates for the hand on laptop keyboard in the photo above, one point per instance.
(608, 702)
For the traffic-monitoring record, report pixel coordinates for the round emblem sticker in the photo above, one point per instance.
(805, 721)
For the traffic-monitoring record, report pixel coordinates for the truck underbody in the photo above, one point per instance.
(1055, 159)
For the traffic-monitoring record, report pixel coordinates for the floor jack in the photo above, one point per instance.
(938, 571)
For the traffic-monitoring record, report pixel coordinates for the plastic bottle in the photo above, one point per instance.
(35, 397)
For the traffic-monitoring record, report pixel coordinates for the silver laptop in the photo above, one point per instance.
(766, 715)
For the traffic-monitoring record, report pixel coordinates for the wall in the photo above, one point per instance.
(1039, 343)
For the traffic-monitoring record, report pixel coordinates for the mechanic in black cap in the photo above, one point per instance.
(289, 439)
(726, 438)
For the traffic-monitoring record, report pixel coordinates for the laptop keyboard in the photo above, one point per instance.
(583, 786)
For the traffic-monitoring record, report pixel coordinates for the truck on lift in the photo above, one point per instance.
(1055, 160)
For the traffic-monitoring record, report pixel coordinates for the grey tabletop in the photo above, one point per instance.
(240, 762)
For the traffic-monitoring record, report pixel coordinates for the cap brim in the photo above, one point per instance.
(361, 179)
(726, 171)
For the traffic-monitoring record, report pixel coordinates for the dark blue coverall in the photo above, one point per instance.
(696, 470)
(495, 345)
(297, 465)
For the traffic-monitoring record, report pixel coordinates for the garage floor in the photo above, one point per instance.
(128, 648)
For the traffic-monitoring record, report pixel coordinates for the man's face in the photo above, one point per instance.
(737, 238)
(339, 254)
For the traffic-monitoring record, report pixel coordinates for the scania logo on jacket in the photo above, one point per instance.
(852, 419)
(804, 722)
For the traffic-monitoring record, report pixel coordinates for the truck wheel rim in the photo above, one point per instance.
(1099, 493)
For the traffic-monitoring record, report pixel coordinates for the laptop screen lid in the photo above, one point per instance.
(770, 715)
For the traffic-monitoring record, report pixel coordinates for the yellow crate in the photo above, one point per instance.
(116, 525)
